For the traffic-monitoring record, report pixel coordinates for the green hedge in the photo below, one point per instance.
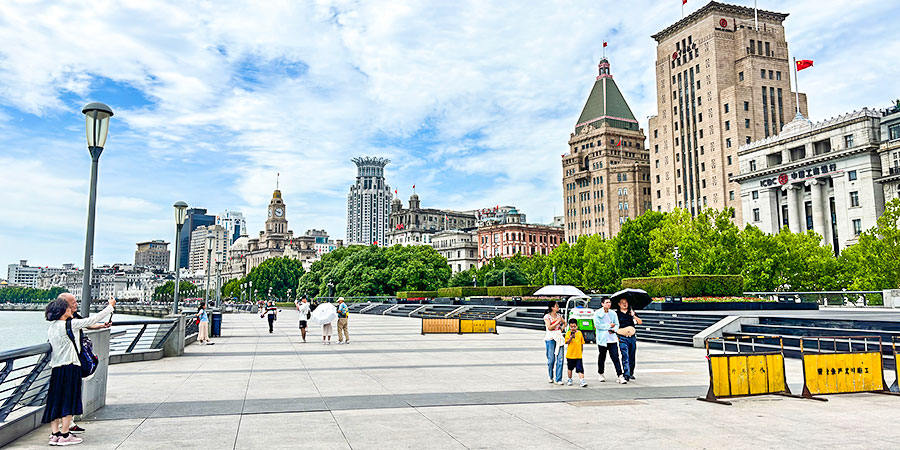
(511, 291)
(463, 291)
(418, 294)
(689, 285)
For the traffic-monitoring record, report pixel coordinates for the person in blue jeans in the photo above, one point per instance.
(553, 342)
(627, 341)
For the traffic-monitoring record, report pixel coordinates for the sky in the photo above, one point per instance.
(472, 101)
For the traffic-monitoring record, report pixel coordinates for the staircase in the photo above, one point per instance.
(673, 328)
(378, 309)
(403, 310)
(530, 318)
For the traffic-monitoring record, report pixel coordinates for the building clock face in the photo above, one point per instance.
(279, 212)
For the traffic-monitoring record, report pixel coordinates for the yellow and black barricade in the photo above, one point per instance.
(853, 364)
(743, 373)
(458, 325)
(440, 325)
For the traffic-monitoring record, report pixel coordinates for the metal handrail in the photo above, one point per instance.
(24, 378)
(141, 335)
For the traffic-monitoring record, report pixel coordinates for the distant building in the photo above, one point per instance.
(496, 215)
(606, 173)
(516, 237)
(323, 244)
(459, 247)
(416, 225)
(815, 176)
(890, 153)
(153, 255)
(200, 251)
(234, 224)
(196, 217)
(23, 275)
(368, 204)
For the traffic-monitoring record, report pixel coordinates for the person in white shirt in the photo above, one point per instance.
(303, 309)
(64, 391)
(606, 323)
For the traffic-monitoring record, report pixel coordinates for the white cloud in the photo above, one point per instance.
(231, 93)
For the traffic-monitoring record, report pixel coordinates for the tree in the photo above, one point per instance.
(873, 263)
(166, 291)
(631, 247)
(276, 276)
(464, 278)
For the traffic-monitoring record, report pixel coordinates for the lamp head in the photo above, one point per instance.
(96, 116)
(180, 212)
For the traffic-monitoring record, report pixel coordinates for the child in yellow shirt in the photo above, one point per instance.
(574, 344)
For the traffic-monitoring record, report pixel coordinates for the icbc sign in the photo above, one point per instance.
(783, 178)
(723, 23)
(674, 56)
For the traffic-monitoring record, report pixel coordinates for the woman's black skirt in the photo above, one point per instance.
(64, 396)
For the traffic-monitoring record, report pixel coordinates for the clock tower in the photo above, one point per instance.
(276, 223)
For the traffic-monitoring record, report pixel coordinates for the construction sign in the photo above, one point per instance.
(843, 372)
(759, 371)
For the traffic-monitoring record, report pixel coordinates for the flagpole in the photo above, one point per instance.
(755, 16)
(797, 85)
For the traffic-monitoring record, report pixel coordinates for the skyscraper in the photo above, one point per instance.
(369, 203)
(606, 174)
(196, 217)
(234, 224)
(730, 64)
(153, 255)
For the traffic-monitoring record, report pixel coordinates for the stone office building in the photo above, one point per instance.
(819, 177)
(606, 174)
(517, 237)
(890, 153)
(722, 81)
(460, 247)
(416, 225)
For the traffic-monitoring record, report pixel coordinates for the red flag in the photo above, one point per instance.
(605, 43)
(620, 143)
(414, 186)
(395, 191)
(803, 64)
(375, 243)
(684, 2)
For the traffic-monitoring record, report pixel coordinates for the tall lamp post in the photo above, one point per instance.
(210, 239)
(330, 289)
(180, 216)
(96, 117)
(677, 260)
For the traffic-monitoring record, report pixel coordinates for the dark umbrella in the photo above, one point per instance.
(637, 298)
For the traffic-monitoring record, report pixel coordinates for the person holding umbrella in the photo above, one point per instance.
(324, 315)
(627, 300)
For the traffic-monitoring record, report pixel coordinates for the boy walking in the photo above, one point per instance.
(574, 346)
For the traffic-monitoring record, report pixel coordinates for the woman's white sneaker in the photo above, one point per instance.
(602, 378)
(621, 380)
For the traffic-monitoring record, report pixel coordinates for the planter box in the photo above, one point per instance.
(731, 306)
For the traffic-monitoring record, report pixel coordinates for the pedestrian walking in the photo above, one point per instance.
(606, 322)
(64, 388)
(574, 349)
(202, 319)
(343, 313)
(272, 312)
(553, 342)
(627, 340)
(303, 309)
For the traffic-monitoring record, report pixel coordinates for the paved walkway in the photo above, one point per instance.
(393, 388)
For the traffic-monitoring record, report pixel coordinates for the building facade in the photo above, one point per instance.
(819, 177)
(722, 80)
(234, 223)
(200, 251)
(517, 237)
(460, 247)
(496, 215)
(153, 255)
(606, 173)
(890, 153)
(23, 275)
(369, 203)
(416, 225)
(323, 243)
(196, 217)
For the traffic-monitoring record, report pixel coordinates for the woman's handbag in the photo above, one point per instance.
(86, 356)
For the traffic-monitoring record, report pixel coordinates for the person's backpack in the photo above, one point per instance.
(86, 356)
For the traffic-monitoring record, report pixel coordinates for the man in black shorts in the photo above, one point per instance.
(303, 309)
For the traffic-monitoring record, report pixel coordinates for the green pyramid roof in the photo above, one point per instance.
(614, 111)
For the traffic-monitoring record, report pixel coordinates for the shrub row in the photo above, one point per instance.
(417, 294)
(689, 285)
(511, 291)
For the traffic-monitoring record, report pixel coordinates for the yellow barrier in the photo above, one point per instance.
(840, 372)
(896, 386)
(478, 326)
(439, 325)
(744, 374)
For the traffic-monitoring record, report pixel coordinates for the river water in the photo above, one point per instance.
(24, 328)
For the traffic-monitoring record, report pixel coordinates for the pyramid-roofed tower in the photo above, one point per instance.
(606, 104)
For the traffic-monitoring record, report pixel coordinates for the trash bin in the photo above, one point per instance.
(216, 324)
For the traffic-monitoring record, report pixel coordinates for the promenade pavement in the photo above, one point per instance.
(393, 388)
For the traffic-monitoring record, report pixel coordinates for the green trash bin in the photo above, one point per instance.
(216, 319)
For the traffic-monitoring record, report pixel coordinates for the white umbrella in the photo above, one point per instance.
(324, 313)
(559, 290)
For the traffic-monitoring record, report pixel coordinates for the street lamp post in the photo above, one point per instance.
(554, 274)
(677, 260)
(210, 238)
(474, 281)
(330, 289)
(180, 216)
(97, 125)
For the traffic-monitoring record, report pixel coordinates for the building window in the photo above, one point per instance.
(894, 132)
(746, 106)
(656, 148)
(729, 160)
(740, 76)
(756, 214)
(854, 199)
(728, 142)
(752, 165)
(755, 195)
(771, 77)
(747, 140)
(762, 73)
(851, 175)
(657, 164)
(701, 134)
(727, 122)
(857, 227)
(700, 117)
(778, 75)
(848, 141)
(746, 123)
(726, 109)
(731, 195)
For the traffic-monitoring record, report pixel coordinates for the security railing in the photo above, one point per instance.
(24, 379)
(825, 298)
(140, 335)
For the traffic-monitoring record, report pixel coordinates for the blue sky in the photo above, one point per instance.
(472, 101)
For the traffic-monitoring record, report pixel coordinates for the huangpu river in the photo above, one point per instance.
(24, 328)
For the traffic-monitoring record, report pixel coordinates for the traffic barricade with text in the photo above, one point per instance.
(843, 365)
(440, 325)
(752, 368)
(477, 326)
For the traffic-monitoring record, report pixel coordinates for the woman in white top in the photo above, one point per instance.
(553, 341)
(303, 309)
(64, 394)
